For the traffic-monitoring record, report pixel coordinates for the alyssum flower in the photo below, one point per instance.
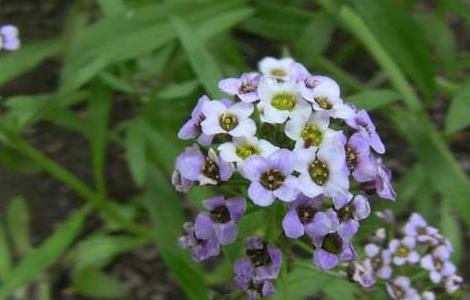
(9, 39)
(283, 138)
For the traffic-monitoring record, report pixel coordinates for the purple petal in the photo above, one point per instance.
(236, 206)
(253, 167)
(214, 202)
(203, 226)
(283, 160)
(190, 163)
(226, 233)
(348, 229)
(291, 224)
(260, 195)
(289, 190)
(325, 260)
(230, 85)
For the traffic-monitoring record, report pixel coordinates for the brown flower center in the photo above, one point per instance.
(272, 179)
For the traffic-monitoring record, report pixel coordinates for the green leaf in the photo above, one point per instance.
(99, 108)
(434, 155)
(136, 155)
(359, 28)
(201, 60)
(395, 28)
(47, 253)
(166, 214)
(97, 284)
(313, 41)
(178, 90)
(26, 58)
(113, 7)
(374, 99)
(5, 255)
(458, 115)
(99, 250)
(461, 9)
(18, 221)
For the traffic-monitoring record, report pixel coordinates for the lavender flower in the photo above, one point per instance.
(201, 249)
(221, 220)
(271, 177)
(277, 68)
(243, 147)
(381, 185)
(453, 283)
(323, 172)
(194, 166)
(233, 120)
(255, 289)
(401, 288)
(403, 251)
(418, 227)
(245, 87)
(366, 128)
(300, 215)
(192, 128)
(9, 38)
(379, 261)
(438, 264)
(360, 163)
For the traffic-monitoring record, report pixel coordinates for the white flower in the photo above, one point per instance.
(325, 96)
(233, 119)
(310, 131)
(243, 147)
(324, 172)
(278, 68)
(281, 100)
(404, 251)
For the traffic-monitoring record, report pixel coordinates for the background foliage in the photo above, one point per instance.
(406, 60)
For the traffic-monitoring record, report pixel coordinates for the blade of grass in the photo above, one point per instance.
(18, 222)
(47, 253)
(5, 254)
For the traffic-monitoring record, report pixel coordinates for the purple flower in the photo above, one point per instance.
(263, 262)
(301, 213)
(192, 128)
(350, 215)
(362, 122)
(453, 283)
(438, 264)
(359, 160)
(324, 94)
(245, 87)
(381, 185)
(333, 244)
(220, 220)
(417, 227)
(401, 289)
(378, 261)
(233, 120)
(194, 166)
(403, 251)
(428, 295)
(201, 248)
(181, 184)
(361, 274)
(324, 172)
(271, 177)
(9, 38)
(255, 289)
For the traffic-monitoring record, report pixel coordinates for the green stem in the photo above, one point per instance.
(66, 177)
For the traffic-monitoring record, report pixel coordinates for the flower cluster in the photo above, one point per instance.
(399, 260)
(9, 40)
(285, 136)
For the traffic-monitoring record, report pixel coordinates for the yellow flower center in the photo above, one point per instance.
(284, 101)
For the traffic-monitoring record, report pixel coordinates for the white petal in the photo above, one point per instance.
(241, 109)
(228, 152)
(275, 116)
(294, 128)
(266, 148)
(246, 127)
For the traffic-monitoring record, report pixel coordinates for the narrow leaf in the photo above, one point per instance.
(458, 115)
(97, 284)
(18, 221)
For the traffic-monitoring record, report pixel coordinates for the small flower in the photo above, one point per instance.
(201, 249)
(245, 87)
(281, 100)
(438, 264)
(310, 131)
(360, 163)
(417, 227)
(350, 215)
(381, 185)
(271, 177)
(192, 128)
(263, 261)
(9, 38)
(300, 215)
(221, 219)
(323, 172)
(181, 184)
(233, 120)
(333, 245)
(362, 122)
(194, 166)
(276, 68)
(361, 274)
(401, 289)
(403, 251)
(379, 261)
(324, 93)
(453, 283)
(243, 147)
(255, 289)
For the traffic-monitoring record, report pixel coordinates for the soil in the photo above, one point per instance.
(142, 270)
